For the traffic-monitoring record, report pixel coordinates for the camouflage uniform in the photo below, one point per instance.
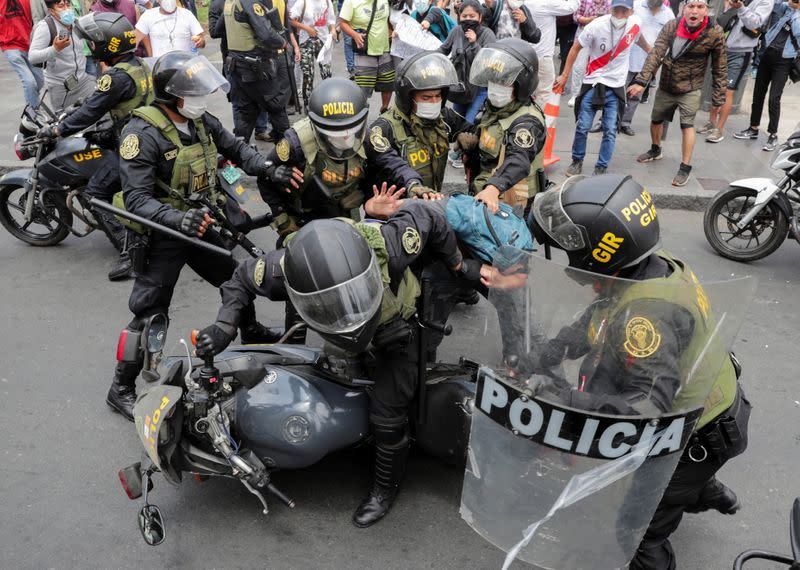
(309, 50)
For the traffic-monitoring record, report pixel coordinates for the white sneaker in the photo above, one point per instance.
(571, 101)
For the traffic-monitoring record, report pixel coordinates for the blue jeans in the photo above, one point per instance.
(609, 123)
(262, 122)
(349, 56)
(470, 111)
(31, 77)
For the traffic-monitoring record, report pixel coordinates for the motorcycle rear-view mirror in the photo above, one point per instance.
(151, 524)
(156, 332)
(794, 530)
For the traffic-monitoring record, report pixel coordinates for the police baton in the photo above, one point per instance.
(159, 228)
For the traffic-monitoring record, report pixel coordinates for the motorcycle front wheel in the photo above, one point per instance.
(45, 227)
(763, 235)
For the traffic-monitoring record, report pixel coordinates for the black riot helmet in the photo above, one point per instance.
(107, 34)
(510, 61)
(179, 74)
(421, 72)
(334, 281)
(338, 111)
(604, 223)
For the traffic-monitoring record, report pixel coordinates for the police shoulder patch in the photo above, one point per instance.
(379, 142)
(411, 241)
(258, 9)
(258, 273)
(641, 338)
(523, 138)
(282, 149)
(104, 83)
(129, 148)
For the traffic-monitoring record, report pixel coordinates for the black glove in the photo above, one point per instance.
(192, 220)
(213, 340)
(470, 270)
(281, 174)
(47, 132)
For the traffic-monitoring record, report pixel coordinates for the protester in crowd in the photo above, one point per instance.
(367, 23)
(169, 28)
(776, 56)
(587, 12)
(513, 21)
(462, 45)
(565, 35)
(744, 22)
(125, 7)
(347, 43)
(433, 19)
(315, 22)
(56, 45)
(15, 33)
(39, 10)
(653, 15)
(608, 39)
(544, 13)
(684, 48)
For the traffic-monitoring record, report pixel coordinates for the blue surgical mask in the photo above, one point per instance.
(66, 16)
(421, 7)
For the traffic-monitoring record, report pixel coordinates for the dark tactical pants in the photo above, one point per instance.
(103, 184)
(309, 50)
(259, 88)
(153, 289)
(394, 371)
(684, 489)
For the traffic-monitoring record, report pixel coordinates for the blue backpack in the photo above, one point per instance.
(502, 238)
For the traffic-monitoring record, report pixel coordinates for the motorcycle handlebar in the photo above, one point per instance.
(261, 221)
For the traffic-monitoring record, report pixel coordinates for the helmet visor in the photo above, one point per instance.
(196, 77)
(344, 143)
(431, 71)
(344, 307)
(550, 215)
(494, 65)
(88, 29)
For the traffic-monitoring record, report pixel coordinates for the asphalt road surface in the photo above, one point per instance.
(62, 506)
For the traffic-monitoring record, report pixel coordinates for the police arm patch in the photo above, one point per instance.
(258, 9)
(258, 272)
(129, 148)
(523, 138)
(104, 83)
(283, 150)
(641, 338)
(411, 241)
(379, 142)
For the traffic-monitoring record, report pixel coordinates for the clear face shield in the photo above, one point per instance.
(343, 143)
(87, 28)
(197, 78)
(551, 217)
(345, 307)
(432, 71)
(494, 66)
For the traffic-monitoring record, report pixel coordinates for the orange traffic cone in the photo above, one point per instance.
(550, 116)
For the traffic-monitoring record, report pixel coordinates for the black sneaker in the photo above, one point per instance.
(599, 170)
(650, 155)
(748, 134)
(681, 178)
(772, 142)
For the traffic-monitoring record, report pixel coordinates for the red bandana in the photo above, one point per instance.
(683, 30)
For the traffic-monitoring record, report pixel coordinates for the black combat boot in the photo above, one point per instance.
(717, 496)
(256, 333)
(123, 269)
(122, 394)
(391, 452)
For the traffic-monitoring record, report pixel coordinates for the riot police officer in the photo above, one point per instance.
(356, 284)
(418, 125)
(124, 85)
(257, 42)
(641, 376)
(505, 160)
(169, 154)
(329, 145)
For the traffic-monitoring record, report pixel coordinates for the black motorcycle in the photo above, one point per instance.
(792, 562)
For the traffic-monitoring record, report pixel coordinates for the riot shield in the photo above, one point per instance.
(577, 432)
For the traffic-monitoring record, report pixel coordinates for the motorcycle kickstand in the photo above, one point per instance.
(151, 521)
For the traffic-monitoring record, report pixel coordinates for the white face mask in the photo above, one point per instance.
(194, 107)
(500, 95)
(428, 110)
(514, 4)
(618, 22)
(169, 6)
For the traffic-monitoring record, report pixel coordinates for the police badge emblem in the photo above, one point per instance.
(104, 83)
(411, 241)
(258, 272)
(523, 138)
(129, 148)
(641, 338)
(379, 142)
(282, 149)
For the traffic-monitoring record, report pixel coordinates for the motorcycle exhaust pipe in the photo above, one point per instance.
(79, 213)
